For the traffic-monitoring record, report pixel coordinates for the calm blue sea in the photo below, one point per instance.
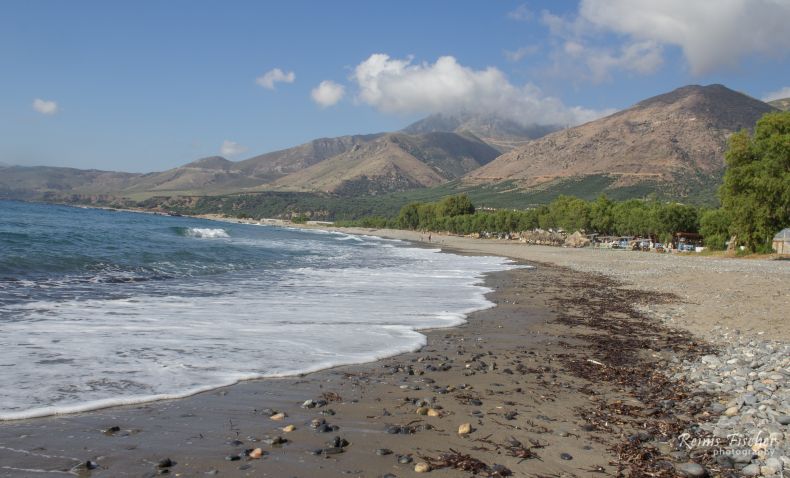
(100, 308)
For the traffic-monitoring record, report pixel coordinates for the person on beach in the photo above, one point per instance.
(429, 238)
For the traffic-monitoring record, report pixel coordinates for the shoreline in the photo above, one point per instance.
(532, 355)
(361, 420)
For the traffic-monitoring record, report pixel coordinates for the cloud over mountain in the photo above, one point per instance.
(400, 86)
(327, 93)
(778, 94)
(231, 148)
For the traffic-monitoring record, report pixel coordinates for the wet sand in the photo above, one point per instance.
(554, 381)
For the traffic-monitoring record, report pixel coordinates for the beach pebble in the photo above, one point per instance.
(338, 442)
(232, 458)
(278, 440)
(404, 459)
(691, 470)
(165, 463)
(308, 404)
(784, 420)
(465, 429)
(332, 451)
(288, 428)
(566, 456)
(432, 412)
(111, 430)
(326, 428)
(255, 454)
(751, 470)
(88, 465)
(278, 416)
(383, 452)
(731, 412)
(422, 411)
(422, 467)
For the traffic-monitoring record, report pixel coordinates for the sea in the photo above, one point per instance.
(101, 308)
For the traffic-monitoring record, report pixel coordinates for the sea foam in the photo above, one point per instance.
(283, 303)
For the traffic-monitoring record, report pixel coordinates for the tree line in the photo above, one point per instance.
(755, 203)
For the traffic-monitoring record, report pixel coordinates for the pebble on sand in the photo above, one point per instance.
(256, 454)
(422, 467)
(432, 412)
(731, 412)
(278, 416)
(288, 428)
(691, 470)
(465, 429)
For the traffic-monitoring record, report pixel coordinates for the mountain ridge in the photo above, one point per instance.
(668, 138)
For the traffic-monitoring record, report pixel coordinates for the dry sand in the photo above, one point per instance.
(566, 364)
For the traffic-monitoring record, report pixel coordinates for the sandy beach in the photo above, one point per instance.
(582, 369)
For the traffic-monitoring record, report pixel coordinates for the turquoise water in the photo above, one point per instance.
(99, 308)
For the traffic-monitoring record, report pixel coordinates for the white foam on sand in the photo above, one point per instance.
(79, 355)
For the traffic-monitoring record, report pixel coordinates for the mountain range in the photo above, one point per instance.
(673, 142)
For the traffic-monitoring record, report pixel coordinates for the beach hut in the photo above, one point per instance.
(781, 242)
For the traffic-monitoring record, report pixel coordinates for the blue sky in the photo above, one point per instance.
(149, 85)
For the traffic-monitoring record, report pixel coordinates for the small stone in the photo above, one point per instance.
(566, 456)
(278, 416)
(332, 451)
(731, 412)
(383, 452)
(768, 470)
(255, 454)
(112, 430)
(432, 412)
(317, 422)
(232, 458)
(165, 463)
(308, 404)
(288, 428)
(751, 470)
(89, 465)
(339, 442)
(404, 459)
(784, 420)
(465, 429)
(275, 441)
(422, 411)
(422, 467)
(691, 470)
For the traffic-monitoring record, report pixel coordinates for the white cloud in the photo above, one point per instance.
(45, 107)
(778, 94)
(643, 58)
(268, 79)
(521, 13)
(399, 86)
(231, 148)
(328, 93)
(711, 33)
(520, 53)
